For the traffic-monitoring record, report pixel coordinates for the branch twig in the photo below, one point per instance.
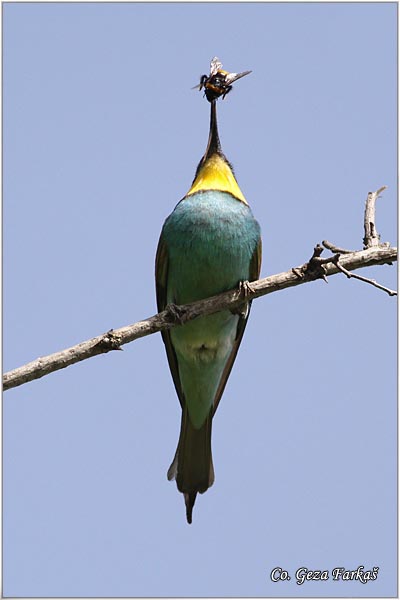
(371, 236)
(114, 339)
(335, 249)
(361, 278)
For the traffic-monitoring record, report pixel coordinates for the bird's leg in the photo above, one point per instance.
(245, 289)
(175, 313)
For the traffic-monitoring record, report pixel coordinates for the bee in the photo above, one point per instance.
(219, 82)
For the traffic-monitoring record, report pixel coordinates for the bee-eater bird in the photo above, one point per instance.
(209, 244)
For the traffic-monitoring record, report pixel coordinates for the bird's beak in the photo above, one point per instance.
(214, 145)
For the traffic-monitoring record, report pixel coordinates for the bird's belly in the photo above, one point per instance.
(206, 339)
(202, 348)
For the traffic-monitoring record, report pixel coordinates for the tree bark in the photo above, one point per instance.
(316, 268)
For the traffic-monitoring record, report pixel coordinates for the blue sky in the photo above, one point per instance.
(101, 138)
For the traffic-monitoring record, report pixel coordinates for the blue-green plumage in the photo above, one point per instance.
(209, 244)
(211, 238)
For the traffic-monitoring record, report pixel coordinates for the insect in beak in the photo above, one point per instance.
(219, 82)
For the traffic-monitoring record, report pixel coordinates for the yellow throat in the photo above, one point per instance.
(216, 174)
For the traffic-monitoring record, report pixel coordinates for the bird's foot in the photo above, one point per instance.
(175, 313)
(245, 289)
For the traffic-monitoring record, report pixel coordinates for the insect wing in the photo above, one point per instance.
(231, 77)
(215, 66)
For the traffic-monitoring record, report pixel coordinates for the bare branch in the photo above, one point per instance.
(335, 249)
(371, 236)
(316, 268)
(365, 279)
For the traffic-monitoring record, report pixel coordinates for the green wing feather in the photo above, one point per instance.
(255, 267)
(161, 292)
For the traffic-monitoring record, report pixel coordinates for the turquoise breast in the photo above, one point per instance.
(211, 237)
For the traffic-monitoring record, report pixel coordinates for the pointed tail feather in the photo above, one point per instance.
(190, 499)
(192, 466)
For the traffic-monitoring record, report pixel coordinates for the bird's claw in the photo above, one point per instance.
(245, 289)
(175, 313)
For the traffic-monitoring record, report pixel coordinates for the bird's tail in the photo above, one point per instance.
(192, 466)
